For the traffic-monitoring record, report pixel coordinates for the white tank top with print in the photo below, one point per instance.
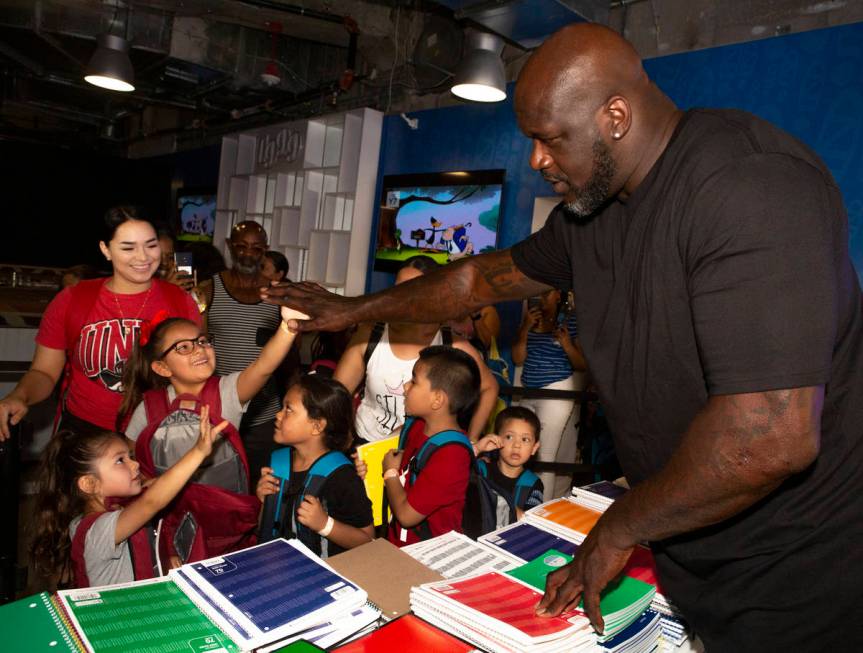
(382, 409)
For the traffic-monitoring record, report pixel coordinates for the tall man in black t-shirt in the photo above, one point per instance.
(722, 319)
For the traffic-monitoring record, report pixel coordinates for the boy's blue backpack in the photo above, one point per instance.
(419, 461)
(279, 513)
(488, 506)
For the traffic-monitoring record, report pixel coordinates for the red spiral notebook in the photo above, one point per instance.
(407, 633)
(499, 597)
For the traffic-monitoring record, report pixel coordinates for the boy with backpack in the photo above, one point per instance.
(506, 484)
(426, 478)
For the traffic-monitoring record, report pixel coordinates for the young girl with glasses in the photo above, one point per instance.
(169, 377)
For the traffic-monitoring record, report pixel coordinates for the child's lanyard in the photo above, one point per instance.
(403, 477)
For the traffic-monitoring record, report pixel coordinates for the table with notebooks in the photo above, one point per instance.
(450, 593)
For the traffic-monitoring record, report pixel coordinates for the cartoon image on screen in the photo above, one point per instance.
(197, 217)
(449, 217)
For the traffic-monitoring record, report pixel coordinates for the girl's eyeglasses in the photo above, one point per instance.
(188, 345)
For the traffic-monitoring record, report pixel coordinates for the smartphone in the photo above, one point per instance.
(183, 262)
(533, 302)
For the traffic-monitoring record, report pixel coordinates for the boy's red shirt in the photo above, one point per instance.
(439, 491)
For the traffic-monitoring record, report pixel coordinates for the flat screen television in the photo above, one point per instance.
(196, 213)
(444, 215)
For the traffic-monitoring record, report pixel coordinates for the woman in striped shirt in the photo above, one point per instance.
(547, 348)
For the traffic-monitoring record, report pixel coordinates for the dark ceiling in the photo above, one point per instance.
(197, 68)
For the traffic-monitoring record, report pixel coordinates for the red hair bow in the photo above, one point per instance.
(147, 326)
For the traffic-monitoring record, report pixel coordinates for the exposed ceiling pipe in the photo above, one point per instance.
(58, 111)
(22, 59)
(293, 9)
(49, 39)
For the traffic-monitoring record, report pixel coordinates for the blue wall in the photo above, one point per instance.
(810, 84)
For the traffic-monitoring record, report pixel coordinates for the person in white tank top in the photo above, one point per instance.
(381, 411)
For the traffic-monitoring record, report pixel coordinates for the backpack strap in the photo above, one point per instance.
(321, 470)
(524, 486)
(273, 513)
(375, 336)
(433, 444)
(140, 551)
(156, 409)
(482, 467)
(405, 432)
(446, 335)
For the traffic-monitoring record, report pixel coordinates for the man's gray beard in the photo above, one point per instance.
(246, 269)
(595, 192)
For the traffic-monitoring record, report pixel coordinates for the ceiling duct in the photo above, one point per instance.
(528, 22)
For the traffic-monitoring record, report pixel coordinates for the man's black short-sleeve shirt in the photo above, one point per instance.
(727, 271)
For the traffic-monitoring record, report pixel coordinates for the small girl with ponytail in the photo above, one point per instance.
(169, 377)
(85, 474)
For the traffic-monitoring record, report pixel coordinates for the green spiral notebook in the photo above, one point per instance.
(37, 624)
(145, 616)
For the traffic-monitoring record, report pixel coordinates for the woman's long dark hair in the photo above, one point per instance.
(68, 456)
(138, 374)
(328, 399)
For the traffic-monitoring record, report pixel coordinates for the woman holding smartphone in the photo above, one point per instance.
(88, 330)
(547, 348)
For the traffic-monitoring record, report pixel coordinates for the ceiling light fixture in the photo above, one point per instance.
(481, 76)
(110, 66)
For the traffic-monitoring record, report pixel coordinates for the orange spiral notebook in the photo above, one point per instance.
(564, 513)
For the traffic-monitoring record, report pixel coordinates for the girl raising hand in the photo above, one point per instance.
(92, 511)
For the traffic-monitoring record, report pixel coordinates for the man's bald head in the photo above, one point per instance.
(248, 227)
(583, 64)
(596, 121)
(248, 245)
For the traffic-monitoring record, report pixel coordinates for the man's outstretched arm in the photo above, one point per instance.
(737, 450)
(437, 296)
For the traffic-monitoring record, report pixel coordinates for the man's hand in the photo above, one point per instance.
(598, 561)
(393, 459)
(327, 311)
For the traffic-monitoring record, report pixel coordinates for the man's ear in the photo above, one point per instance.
(88, 484)
(161, 368)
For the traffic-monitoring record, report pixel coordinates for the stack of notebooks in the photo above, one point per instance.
(597, 496)
(564, 517)
(260, 598)
(622, 602)
(641, 636)
(454, 555)
(525, 541)
(642, 566)
(497, 613)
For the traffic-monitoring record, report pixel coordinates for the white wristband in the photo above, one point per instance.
(391, 473)
(328, 527)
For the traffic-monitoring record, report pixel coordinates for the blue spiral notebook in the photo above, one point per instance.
(527, 541)
(268, 592)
